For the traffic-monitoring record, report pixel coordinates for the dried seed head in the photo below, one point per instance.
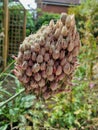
(63, 17)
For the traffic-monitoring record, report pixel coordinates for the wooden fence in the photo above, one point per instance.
(13, 25)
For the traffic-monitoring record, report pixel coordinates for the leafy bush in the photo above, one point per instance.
(44, 19)
(86, 17)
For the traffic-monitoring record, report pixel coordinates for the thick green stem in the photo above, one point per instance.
(10, 99)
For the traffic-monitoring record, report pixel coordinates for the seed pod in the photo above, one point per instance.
(69, 58)
(51, 24)
(63, 17)
(74, 60)
(47, 46)
(46, 95)
(42, 41)
(33, 84)
(57, 33)
(16, 73)
(62, 54)
(61, 76)
(24, 65)
(49, 70)
(35, 68)
(34, 55)
(54, 86)
(20, 56)
(42, 51)
(44, 89)
(43, 66)
(39, 59)
(46, 57)
(44, 75)
(25, 79)
(30, 63)
(64, 31)
(75, 51)
(59, 70)
(57, 24)
(32, 48)
(72, 20)
(58, 46)
(66, 68)
(27, 46)
(64, 44)
(52, 48)
(27, 54)
(22, 48)
(56, 54)
(68, 21)
(51, 77)
(37, 47)
(37, 77)
(71, 46)
(29, 71)
(41, 83)
(51, 62)
(37, 91)
(63, 62)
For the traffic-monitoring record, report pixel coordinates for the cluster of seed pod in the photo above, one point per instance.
(46, 60)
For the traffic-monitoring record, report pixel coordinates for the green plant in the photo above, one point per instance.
(45, 18)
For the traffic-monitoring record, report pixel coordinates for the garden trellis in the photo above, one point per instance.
(13, 25)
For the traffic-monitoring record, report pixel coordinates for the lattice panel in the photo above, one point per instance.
(16, 20)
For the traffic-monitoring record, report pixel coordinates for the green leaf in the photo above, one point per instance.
(4, 127)
(22, 119)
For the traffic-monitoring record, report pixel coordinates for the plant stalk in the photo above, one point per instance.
(10, 99)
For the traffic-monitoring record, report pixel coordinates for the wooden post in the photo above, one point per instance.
(24, 26)
(5, 46)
